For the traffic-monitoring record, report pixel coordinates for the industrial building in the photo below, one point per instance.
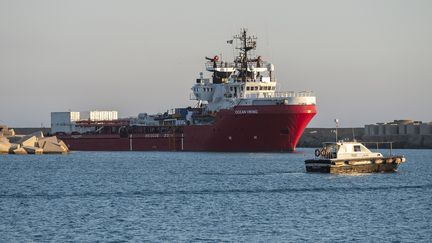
(399, 127)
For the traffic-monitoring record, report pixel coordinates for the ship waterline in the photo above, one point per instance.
(252, 129)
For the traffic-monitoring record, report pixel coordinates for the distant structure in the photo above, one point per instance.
(399, 127)
(72, 121)
(403, 133)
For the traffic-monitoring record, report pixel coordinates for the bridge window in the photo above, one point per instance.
(357, 148)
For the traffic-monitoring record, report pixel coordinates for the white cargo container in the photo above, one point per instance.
(99, 115)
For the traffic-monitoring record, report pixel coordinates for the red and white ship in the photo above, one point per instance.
(238, 109)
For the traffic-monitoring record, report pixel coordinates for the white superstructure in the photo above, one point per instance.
(245, 81)
(66, 121)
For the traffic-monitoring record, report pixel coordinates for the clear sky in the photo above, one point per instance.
(367, 61)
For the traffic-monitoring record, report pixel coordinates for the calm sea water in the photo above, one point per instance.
(209, 197)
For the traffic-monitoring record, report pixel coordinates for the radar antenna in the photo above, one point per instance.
(247, 43)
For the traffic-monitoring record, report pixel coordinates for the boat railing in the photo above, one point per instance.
(377, 147)
(289, 94)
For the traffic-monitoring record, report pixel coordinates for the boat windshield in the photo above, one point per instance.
(329, 150)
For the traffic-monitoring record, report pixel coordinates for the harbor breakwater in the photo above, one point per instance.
(314, 137)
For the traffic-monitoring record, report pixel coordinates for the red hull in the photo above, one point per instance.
(244, 128)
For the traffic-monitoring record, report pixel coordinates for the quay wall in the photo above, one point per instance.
(413, 139)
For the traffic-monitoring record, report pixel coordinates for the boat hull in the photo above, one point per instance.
(273, 128)
(372, 165)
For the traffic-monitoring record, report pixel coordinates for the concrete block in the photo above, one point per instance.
(20, 151)
(14, 146)
(16, 138)
(29, 141)
(33, 150)
(38, 134)
(4, 147)
(54, 148)
(9, 133)
(45, 140)
(4, 139)
(64, 146)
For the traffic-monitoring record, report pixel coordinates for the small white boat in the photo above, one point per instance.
(351, 157)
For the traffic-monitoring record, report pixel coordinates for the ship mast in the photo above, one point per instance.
(247, 43)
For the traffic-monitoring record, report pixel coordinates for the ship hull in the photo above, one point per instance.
(273, 128)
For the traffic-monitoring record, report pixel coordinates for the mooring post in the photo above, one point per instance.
(391, 148)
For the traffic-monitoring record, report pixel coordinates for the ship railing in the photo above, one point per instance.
(288, 94)
(220, 64)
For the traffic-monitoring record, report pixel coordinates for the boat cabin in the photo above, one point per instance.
(345, 150)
